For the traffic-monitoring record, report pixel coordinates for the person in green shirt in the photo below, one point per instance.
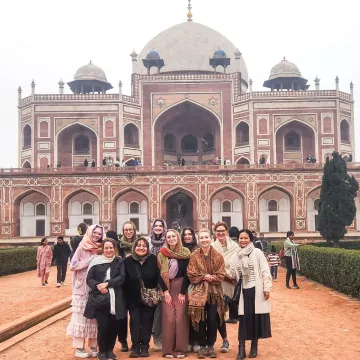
(292, 258)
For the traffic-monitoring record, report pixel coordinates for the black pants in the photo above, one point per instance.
(141, 322)
(290, 271)
(221, 328)
(61, 272)
(107, 330)
(274, 271)
(123, 330)
(208, 328)
(233, 310)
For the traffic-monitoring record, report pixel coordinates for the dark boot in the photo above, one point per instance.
(242, 354)
(144, 351)
(135, 351)
(254, 349)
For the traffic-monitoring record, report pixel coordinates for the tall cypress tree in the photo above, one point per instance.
(337, 205)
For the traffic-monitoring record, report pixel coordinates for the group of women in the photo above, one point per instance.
(174, 287)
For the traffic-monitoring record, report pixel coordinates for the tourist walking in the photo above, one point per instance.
(105, 278)
(250, 266)
(292, 259)
(227, 248)
(274, 261)
(61, 256)
(157, 240)
(75, 240)
(173, 260)
(80, 327)
(43, 261)
(189, 241)
(141, 272)
(206, 271)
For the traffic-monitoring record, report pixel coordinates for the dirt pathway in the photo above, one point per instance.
(311, 323)
(22, 293)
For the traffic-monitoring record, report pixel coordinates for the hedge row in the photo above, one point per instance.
(338, 269)
(16, 260)
(351, 245)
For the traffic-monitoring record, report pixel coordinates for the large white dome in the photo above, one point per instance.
(188, 47)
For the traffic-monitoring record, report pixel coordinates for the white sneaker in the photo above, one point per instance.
(196, 348)
(94, 352)
(81, 353)
(58, 285)
(190, 348)
(63, 284)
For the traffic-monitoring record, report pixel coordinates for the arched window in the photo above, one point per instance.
(292, 141)
(26, 165)
(44, 129)
(82, 145)
(131, 136)
(243, 161)
(170, 143)
(316, 204)
(344, 131)
(109, 128)
(226, 206)
(272, 205)
(208, 142)
(27, 137)
(87, 209)
(189, 143)
(134, 208)
(40, 210)
(242, 134)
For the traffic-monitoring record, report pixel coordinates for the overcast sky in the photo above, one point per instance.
(49, 40)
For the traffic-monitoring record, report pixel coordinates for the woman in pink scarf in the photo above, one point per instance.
(43, 261)
(81, 328)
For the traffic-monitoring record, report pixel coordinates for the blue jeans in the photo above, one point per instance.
(274, 270)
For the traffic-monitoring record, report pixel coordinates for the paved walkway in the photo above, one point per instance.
(311, 323)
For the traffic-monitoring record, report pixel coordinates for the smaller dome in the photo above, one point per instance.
(153, 55)
(219, 54)
(90, 72)
(284, 69)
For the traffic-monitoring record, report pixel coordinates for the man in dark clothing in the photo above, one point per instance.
(61, 255)
(93, 163)
(86, 163)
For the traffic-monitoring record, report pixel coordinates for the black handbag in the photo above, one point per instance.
(99, 301)
(237, 292)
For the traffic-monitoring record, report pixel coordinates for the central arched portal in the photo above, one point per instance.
(187, 131)
(180, 209)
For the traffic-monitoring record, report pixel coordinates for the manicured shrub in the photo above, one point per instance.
(351, 245)
(338, 269)
(16, 260)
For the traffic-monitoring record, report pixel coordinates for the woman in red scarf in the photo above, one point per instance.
(173, 260)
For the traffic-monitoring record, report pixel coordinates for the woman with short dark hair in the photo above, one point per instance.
(140, 268)
(106, 275)
(249, 265)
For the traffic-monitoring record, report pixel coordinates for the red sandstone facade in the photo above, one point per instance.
(194, 114)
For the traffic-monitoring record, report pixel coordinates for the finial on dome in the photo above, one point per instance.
(284, 59)
(189, 14)
(134, 55)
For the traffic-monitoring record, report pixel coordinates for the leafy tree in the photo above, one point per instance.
(337, 206)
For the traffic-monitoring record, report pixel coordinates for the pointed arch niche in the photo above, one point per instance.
(195, 135)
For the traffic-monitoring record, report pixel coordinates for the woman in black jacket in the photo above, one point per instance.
(140, 264)
(106, 274)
